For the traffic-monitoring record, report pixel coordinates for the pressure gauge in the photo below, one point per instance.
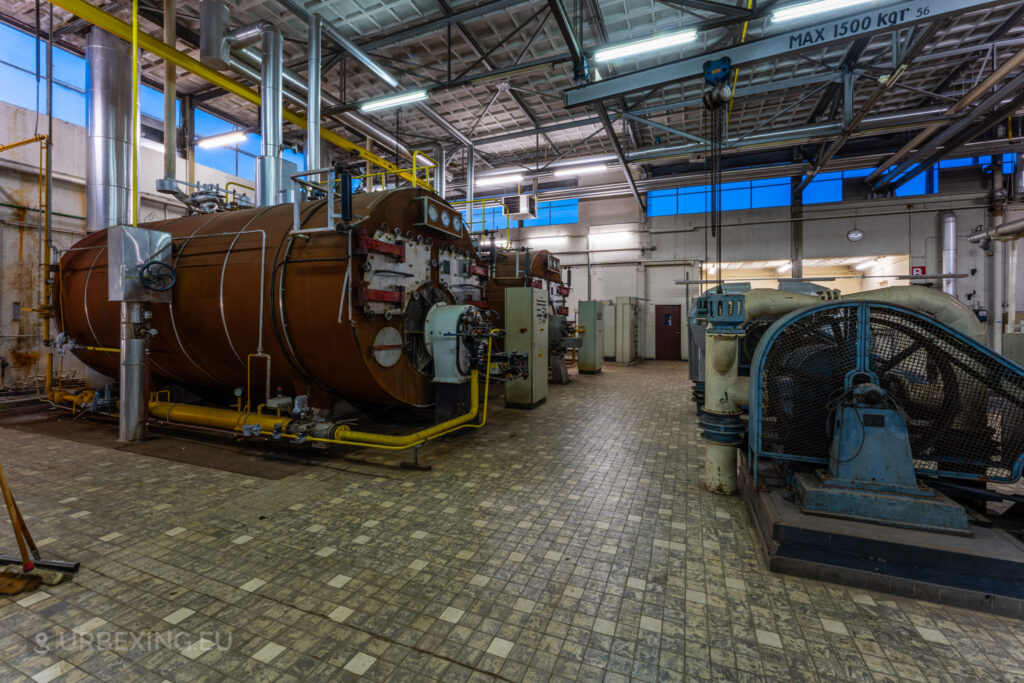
(458, 223)
(432, 212)
(855, 235)
(446, 219)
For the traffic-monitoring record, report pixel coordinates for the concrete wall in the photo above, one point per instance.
(21, 228)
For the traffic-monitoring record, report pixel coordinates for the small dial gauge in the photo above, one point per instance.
(457, 223)
(432, 212)
(446, 219)
(855, 235)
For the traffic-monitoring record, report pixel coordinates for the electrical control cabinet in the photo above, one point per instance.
(609, 328)
(591, 319)
(629, 327)
(526, 331)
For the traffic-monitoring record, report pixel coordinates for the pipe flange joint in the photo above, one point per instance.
(724, 429)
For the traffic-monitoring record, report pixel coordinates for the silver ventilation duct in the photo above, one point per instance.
(108, 152)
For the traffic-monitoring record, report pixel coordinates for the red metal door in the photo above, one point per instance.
(668, 332)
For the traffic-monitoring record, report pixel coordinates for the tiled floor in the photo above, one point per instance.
(573, 542)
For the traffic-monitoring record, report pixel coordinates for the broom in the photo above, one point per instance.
(33, 570)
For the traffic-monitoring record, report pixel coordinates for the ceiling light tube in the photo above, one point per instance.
(784, 268)
(394, 100)
(581, 170)
(808, 9)
(649, 45)
(223, 140)
(508, 179)
(870, 263)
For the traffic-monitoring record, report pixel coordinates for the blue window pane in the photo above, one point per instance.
(736, 198)
(661, 204)
(915, 186)
(19, 88)
(298, 159)
(252, 144)
(564, 211)
(16, 48)
(824, 189)
(246, 167)
(694, 203)
(151, 102)
(207, 124)
(68, 68)
(220, 158)
(769, 195)
(69, 105)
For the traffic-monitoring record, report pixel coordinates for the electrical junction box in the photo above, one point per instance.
(526, 331)
(520, 206)
(128, 249)
(590, 317)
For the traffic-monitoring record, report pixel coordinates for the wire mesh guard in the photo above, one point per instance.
(964, 404)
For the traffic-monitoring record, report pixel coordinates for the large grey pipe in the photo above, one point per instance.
(247, 63)
(108, 152)
(440, 181)
(948, 219)
(269, 172)
(313, 159)
(132, 389)
(170, 95)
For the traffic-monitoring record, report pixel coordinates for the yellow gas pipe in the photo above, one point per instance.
(269, 425)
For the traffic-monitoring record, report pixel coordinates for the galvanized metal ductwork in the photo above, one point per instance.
(108, 152)
(215, 46)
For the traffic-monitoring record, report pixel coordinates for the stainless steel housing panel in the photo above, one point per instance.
(129, 249)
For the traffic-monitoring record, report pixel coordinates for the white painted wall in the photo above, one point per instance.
(21, 230)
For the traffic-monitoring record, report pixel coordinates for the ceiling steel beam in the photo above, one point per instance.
(606, 122)
(884, 19)
(451, 19)
(906, 57)
(709, 6)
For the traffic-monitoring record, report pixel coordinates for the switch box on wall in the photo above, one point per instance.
(526, 330)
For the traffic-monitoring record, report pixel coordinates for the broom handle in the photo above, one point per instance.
(12, 511)
(24, 530)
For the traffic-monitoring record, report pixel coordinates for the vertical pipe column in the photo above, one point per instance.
(313, 158)
(170, 95)
(720, 420)
(948, 219)
(132, 407)
(469, 179)
(995, 327)
(108, 152)
(268, 167)
(440, 181)
(796, 209)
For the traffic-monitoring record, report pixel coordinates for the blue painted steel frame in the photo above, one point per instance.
(863, 352)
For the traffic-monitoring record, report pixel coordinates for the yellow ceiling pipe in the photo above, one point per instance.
(123, 30)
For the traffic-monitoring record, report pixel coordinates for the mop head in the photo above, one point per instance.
(12, 573)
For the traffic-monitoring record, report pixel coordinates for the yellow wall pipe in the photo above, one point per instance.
(21, 143)
(123, 30)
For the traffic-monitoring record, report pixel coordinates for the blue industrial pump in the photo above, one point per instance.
(856, 401)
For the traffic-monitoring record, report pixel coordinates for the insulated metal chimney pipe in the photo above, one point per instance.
(269, 180)
(313, 94)
(108, 152)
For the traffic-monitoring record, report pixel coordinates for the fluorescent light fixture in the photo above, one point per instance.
(394, 100)
(224, 139)
(784, 268)
(870, 263)
(506, 179)
(641, 46)
(581, 170)
(807, 9)
(712, 269)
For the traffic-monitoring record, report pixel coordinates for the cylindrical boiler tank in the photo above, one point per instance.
(524, 268)
(340, 313)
